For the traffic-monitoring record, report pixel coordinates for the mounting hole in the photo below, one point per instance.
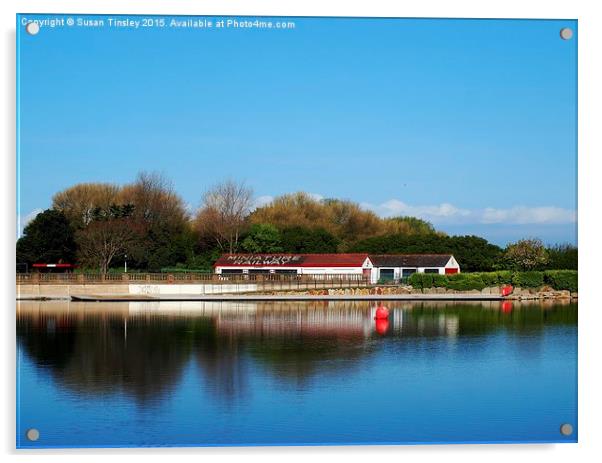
(33, 434)
(566, 429)
(566, 33)
(32, 28)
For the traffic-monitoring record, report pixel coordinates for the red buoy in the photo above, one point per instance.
(382, 325)
(382, 313)
(507, 290)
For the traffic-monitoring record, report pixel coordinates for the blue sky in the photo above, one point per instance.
(470, 124)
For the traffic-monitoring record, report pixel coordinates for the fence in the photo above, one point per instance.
(271, 280)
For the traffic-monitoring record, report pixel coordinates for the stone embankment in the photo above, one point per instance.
(545, 292)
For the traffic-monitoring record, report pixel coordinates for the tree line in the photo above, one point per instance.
(99, 226)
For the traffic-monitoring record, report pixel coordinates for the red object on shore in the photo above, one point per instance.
(382, 325)
(382, 313)
(507, 290)
(507, 306)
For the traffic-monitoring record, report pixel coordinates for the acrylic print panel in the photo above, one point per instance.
(295, 231)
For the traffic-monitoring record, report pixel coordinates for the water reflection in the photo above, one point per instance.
(143, 349)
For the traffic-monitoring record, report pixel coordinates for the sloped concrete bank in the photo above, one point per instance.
(139, 292)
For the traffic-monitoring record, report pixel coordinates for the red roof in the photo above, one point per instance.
(291, 260)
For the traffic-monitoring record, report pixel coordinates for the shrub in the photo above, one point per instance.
(466, 282)
(490, 278)
(528, 279)
(504, 277)
(475, 281)
(561, 279)
(427, 280)
(558, 279)
(439, 281)
(415, 280)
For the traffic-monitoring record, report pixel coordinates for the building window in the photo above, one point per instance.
(431, 270)
(231, 271)
(387, 274)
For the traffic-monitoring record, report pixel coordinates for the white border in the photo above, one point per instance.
(590, 152)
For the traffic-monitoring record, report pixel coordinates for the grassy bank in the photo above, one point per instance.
(557, 279)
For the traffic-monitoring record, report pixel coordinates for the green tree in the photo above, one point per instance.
(562, 257)
(474, 254)
(47, 238)
(262, 238)
(529, 254)
(307, 240)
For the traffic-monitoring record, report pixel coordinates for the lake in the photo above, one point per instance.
(277, 373)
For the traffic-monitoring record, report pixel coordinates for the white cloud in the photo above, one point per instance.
(448, 213)
(529, 215)
(23, 220)
(262, 201)
(394, 207)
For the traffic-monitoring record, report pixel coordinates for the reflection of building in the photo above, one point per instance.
(370, 267)
(325, 322)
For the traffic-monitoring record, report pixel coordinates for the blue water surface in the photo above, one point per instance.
(205, 374)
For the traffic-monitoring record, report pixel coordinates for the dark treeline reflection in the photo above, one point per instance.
(143, 349)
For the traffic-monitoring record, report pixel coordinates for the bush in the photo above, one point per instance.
(557, 279)
(490, 278)
(427, 280)
(561, 279)
(466, 282)
(530, 279)
(439, 281)
(504, 277)
(415, 279)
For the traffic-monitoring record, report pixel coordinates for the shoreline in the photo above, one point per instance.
(231, 293)
(292, 297)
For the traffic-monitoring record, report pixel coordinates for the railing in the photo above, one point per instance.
(272, 279)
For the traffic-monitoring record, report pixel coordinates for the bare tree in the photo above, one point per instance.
(155, 199)
(223, 213)
(102, 240)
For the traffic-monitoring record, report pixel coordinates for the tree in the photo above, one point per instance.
(306, 240)
(343, 219)
(262, 238)
(79, 202)
(162, 222)
(223, 214)
(102, 240)
(408, 225)
(47, 238)
(474, 254)
(563, 257)
(528, 254)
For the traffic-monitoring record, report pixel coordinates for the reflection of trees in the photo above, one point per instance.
(90, 351)
(427, 319)
(93, 355)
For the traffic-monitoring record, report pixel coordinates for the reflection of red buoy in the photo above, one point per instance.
(382, 313)
(507, 290)
(507, 306)
(382, 325)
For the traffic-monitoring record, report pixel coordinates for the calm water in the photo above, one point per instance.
(152, 374)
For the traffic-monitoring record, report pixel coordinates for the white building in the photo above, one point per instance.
(373, 267)
(398, 266)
